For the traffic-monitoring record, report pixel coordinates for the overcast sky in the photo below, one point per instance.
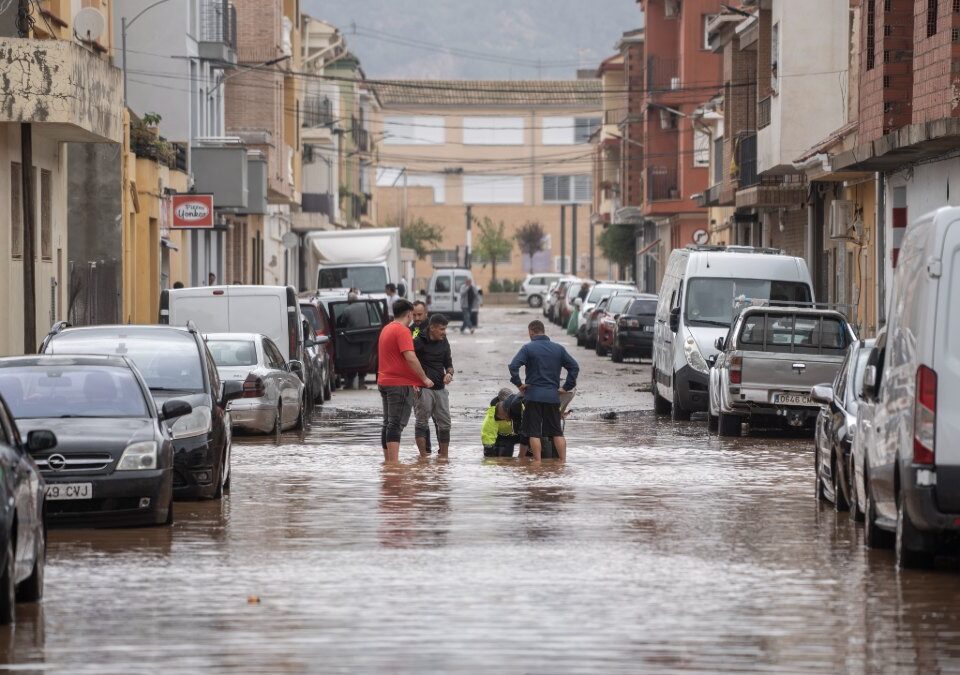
(516, 39)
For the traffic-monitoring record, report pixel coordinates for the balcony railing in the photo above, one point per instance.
(747, 160)
(662, 183)
(318, 203)
(218, 22)
(718, 160)
(763, 113)
(663, 73)
(317, 112)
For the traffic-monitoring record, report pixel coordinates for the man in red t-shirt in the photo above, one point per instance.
(398, 373)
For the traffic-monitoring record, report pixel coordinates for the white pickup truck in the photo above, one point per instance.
(769, 361)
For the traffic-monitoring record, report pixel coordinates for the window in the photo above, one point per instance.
(414, 130)
(391, 177)
(871, 34)
(448, 257)
(710, 300)
(46, 215)
(706, 19)
(701, 147)
(568, 130)
(568, 189)
(73, 391)
(933, 9)
(274, 357)
(493, 189)
(16, 210)
(233, 353)
(493, 131)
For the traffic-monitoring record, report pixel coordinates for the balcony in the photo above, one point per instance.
(773, 192)
(73, 94)
(663, 74)
(218, 31)
(747, 160)
(662, 183)
(319, 203)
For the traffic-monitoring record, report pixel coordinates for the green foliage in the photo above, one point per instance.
(495, 286)
(531, 239)
(619, 244)
(151, 119)
(419, 235)
(492, 243)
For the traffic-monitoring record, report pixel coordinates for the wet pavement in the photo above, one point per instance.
(657, 547)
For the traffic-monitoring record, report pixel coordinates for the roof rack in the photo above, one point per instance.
(742, 303)
(712, 248)
(58, 327)
(192, 327)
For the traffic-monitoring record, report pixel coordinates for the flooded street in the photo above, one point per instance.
(657, 547)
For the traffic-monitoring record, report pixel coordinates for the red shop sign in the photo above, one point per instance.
(191, 212)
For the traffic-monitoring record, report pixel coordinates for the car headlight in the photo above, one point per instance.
(694, 357)
(196, 423)
(138, 456)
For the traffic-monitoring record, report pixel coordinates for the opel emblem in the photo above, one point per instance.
(57, 462)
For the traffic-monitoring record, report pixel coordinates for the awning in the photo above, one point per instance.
(166, 243)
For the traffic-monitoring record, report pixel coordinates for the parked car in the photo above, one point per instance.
(836, 426)
(273, 396)
(176, 364)
(354, 345)
(603, 339)
(315, 312)
(769, 362)
(597, 292)
(633, 330)
(534, 288)
(443, 291)
(913, 378)
(113, 463)
(696, 306)
(273, 311)
(316, 364)
(593, 320)
(23, 537)
(568, 300)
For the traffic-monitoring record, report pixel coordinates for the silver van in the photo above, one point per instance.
(696, 306)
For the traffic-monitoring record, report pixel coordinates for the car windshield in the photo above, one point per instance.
(643, 308)
(311, 314)
(601, 290)
(167, 359)
(371, 279)
(618, 303)
(710, 301)
(233, 352)
(72, 391)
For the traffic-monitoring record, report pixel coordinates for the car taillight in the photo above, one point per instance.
(629, 323)
(925, 416)
(736, 369)
(253, 387)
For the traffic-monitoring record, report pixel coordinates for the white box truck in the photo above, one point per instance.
(367, 259)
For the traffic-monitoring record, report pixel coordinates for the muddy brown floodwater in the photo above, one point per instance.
(657, 547)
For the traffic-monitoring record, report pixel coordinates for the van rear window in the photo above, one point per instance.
(710, 301)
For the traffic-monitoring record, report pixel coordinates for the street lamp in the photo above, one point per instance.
(124, 25)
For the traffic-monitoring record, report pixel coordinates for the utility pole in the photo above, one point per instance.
(563, 239)
(573, 240)
(29, 278)
(468, 254)
(593, 273)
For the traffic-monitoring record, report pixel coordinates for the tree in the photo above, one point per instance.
(531, 239)
(419, 235)
(619, 244)
(492, 243)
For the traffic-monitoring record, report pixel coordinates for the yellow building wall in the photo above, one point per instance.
(864, 196)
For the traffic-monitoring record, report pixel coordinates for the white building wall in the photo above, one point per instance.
(812, 63)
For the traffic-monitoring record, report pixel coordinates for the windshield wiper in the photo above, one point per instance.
(709, 322)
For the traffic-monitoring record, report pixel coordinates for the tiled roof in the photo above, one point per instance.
(488, 92)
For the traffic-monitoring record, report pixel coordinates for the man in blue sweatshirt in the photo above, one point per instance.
(543, 361)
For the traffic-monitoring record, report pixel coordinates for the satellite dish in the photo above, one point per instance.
(89, 24)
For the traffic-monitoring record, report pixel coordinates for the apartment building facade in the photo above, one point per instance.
(508, 151)
(65, 93)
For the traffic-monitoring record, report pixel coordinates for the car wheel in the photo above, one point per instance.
(327, 390)
(535, 301)
(31, 590)
(169, 519)
(616, 355)
(839, 498)
(908, 555)
(713, 422)
(856, 514)
(661, 406)
(278, 422)
(8, 587)
(819, 492)
(298, 425)
(873, 536)
(680, 414)
(729, 425)
(580, 341)
(599, 349)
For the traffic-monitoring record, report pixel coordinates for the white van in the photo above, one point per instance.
(696, 306)
(273, 311)
(443, 292)
(912, 382)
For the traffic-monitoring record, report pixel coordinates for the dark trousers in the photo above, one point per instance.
(397, 406)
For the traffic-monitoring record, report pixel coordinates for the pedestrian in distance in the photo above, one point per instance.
(468, 301)
(543, 360)
(420, 317)
(392, 297)
(399, 374)
(502, 426)
(177, 285)
(211, 279)
(433, 352)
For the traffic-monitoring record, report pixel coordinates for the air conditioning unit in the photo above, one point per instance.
(842, 214)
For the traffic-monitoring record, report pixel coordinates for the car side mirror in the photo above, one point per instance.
(712, 360)
(175, 408)
(40, 440)
(822, 394)
(720, 344)
(674, 319)
(870, 382)
(296, 367)
(232, 390)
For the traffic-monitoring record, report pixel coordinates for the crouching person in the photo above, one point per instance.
(501, 426)
(433, 352)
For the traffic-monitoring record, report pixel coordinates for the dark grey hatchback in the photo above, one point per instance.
(113, 464)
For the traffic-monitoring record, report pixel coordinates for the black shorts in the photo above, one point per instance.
(541, 420)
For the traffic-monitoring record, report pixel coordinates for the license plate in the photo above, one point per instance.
(793, 399)
(648, 329)
(63, 491)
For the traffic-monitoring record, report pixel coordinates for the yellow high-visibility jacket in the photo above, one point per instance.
(492, 427)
